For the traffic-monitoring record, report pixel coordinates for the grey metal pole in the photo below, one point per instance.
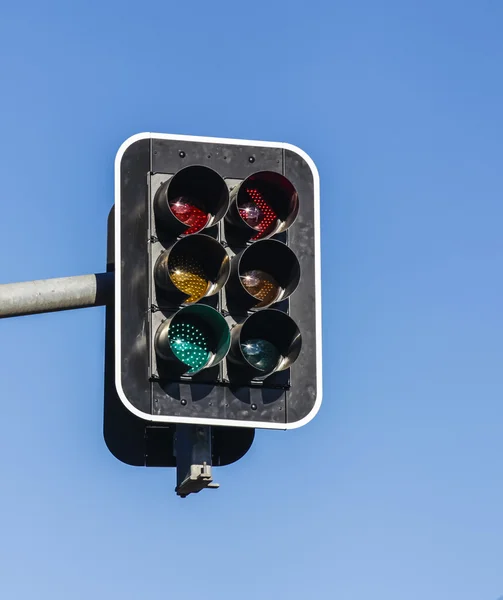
(49, 295)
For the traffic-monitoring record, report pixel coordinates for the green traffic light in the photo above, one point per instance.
(261, 354)
(190, 345)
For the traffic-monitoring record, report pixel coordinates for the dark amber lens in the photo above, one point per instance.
(262, 286)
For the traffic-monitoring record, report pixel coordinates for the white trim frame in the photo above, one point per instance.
(208, 421)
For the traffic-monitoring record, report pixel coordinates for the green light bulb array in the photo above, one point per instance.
(189, 345)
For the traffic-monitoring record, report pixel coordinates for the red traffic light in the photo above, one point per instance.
(195, 197)
(266, 203)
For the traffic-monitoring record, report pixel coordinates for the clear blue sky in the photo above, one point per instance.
(395, 490)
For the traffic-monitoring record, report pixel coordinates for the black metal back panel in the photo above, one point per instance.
(137, 442)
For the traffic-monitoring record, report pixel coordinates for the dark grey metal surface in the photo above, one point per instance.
(135, 166)
(226, 159)
(302, 396)
(207, 400)
(284, 397)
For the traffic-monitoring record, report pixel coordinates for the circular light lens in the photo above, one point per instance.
(262, 286)
(187, 273)
(190, 345)
(261, 354)
(189, 211)
(251, 213)
(257, 212)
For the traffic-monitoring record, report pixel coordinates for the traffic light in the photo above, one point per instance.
(217, 302)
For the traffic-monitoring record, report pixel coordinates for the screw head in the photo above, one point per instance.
(254, 407)
(184, 402)
(181, 154)
(251, 159)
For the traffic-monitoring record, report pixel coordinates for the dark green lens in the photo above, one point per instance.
(263, 355)
(189, 344)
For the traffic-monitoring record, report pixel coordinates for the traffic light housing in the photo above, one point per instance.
(217, 303)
